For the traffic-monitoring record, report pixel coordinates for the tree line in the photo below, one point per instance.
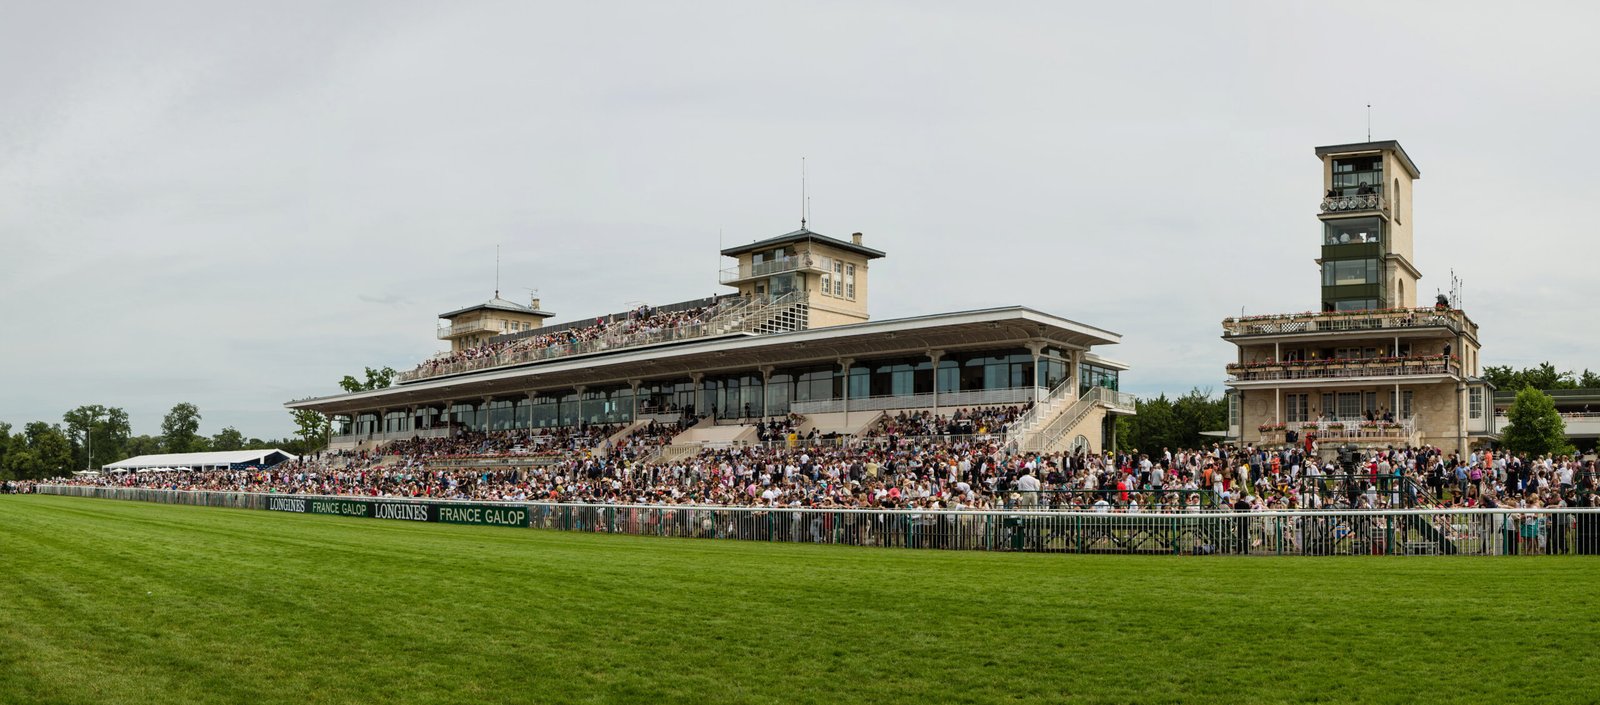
(1172, 423)
(41, 449)
(1544, 376)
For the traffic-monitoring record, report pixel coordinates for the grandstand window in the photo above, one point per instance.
(779, 389)
(949, 377)
(850, 282)
(544, 411)
(827, 284)
(838, 278)
(1091, 375)
(499, 415)
(1475, 403)
(570, 409)
(860, 382)
(784, 283)
(814, 385)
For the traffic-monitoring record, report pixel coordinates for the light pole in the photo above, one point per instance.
(88, 438)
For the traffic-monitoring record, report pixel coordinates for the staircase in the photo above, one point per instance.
(1053, 424)
(788, 312)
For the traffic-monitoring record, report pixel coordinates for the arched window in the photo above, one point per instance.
(1397, 200)
(1402, 293)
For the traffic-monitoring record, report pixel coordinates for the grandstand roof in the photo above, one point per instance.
(804, 235)
(914, 335)
(220, 458)
(498, 304)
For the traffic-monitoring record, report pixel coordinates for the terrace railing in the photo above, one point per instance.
(1342, 430)
(1354, 202)
(1477, 532)
(1343, 369)
(947, 400)
(748, 315)
(1339, 321)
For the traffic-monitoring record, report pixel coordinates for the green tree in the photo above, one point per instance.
(5, 447)
(313, 427)
(376, 379)
(1545, 376)
(44, 452)
(1589, 380)
(1534, 427)
(180, 430)
(141, 445)
(228, 439)
(107, 429)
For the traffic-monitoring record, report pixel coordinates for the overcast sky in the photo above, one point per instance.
(236, 206)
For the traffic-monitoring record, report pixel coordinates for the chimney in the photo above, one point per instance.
(535, 304)
(855, 238)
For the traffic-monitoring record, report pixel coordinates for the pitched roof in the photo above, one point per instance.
(183, 460)
(499, 304)
(804, 235)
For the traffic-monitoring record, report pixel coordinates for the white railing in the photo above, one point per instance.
(1577, 423)
(1344, 369)
(1056, 396)
(773, 266)
(1333, 322)
(1047, 438)
(447, 332)
(1358, 429)
(1478, 532)
(1355, 202)
(947, 400)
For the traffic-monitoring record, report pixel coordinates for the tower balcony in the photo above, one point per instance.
(1354, 203)
(460, 329)
(1346, 369)
(795, 263)
(1392, 320)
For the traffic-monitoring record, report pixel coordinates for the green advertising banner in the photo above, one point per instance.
(486, 515)
(449, 513)
(340, 507)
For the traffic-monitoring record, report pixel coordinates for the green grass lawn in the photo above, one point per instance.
(122, 602)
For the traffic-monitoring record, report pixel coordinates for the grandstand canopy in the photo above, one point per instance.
(215, 460)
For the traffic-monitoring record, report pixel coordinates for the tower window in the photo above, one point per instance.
(1352, 231)
(1355, 175)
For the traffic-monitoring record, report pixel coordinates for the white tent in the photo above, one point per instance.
(214, 460)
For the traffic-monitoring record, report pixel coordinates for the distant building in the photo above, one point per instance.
(1579, 409)
(1366, 366)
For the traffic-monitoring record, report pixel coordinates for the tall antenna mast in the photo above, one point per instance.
(803, 198)
(1369, 122)
(497, 270)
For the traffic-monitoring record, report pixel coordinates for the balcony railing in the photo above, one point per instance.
(947, 400)
(1343, 430)
(1341, 321)
(737, 315)
(1355, 202)
(773, 266)
(1344, 369)
(448, 332)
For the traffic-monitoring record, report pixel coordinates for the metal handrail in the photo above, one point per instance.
(717, 324)
(1333, 321)
(1354, 202)
(1339, 369)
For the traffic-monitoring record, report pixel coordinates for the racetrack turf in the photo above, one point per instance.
(104, 601)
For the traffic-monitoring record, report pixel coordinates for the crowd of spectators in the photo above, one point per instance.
(619, 330)
(961, 422)
(959, 461)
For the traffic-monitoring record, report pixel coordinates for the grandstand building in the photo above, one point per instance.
(1366, 366)
(793, 337)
